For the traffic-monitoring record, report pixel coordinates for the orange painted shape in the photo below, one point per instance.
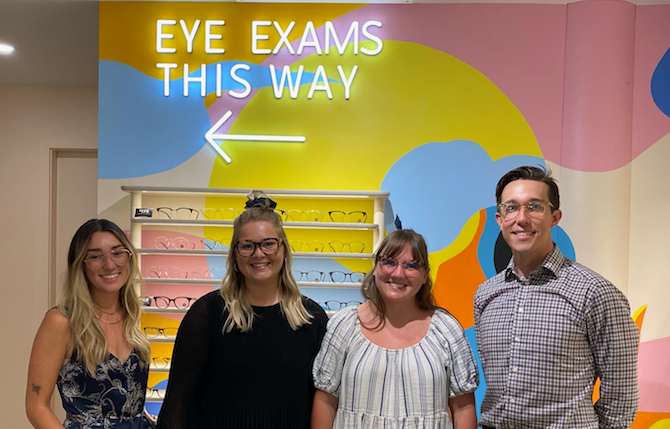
(458, 278)
(645, 420)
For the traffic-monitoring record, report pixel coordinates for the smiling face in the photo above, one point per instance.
(529, 236)
(110, 277)
(400, 284)
(260, 269)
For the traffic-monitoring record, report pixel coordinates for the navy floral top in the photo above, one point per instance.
(113, 398)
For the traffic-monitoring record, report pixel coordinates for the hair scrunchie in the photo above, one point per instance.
(261, 202)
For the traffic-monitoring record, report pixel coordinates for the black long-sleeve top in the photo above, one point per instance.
(260, 379)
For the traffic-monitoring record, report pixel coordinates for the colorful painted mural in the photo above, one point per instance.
(431, 102)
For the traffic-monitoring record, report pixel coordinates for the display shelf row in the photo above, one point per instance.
(327, 255)
(229, 223)
(218, 282)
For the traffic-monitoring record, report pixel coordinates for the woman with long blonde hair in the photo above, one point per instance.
(243, 354)
(91, 345)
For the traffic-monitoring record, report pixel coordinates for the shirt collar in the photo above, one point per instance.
(552, 263)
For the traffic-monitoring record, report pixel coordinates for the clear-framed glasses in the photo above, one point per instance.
(220, 214)
(535, 208)
(164, 302)
(306, 246)
(300, 216)
(341, 276)
(156, 393)
(354, 246)
(154, 272)
(180, 243)
(269, 246)
(310, 276)
(389, 265)
(161, 362)
(208, 244)
(178, 213)
(97, 260)
(354, 217)
(154, 332)
(339, 305)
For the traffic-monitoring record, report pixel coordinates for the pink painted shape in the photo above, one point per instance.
(654, 375)
(519, 47)
(599, 61)
(652, 40)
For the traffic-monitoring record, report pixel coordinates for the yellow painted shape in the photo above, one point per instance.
(127, 31)
(638, 317)
(663, 424)
(457, 246)
(407, 96)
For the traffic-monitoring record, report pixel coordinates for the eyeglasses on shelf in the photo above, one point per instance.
(300, 216)
(220, 214)
(156, 393)
(353, 246)
(341, 276)
(161, 362)
(353, 217)
(164, 302)
(155, 332)
(334, 305)
(178, 213)
(155, 272)
(180, 243)
(96, 260)
(306, 246)
(208, 244)
(310, 276)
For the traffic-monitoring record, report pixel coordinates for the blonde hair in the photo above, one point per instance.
(233, 291)
(89, 340)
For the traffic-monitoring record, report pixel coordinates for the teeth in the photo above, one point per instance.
(111, 276)
(259, 265)
(397, 286)
(525, 234)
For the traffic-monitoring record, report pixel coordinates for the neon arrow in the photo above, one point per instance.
(211, 135)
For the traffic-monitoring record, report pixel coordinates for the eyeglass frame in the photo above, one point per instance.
(167, 360)
(345, 245)
(345, 214)
(161, 210)
(341, 304)
(543, 203)
(257, 245)
(169, 300)
(170, 241)
(161, 331)
(397, 264)
(104, 258)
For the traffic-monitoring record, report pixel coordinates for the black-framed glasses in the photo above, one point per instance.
(300, 216)
(354, 246)
(354, 217)
(536, 208)
(164, 302)
(341, 276)
(269, 246)
(220, 214)
(306, 246)
(178, 213)
(334, 305)
(161, 362)
(388, 265)
(154, 332)
(97, 260)
(180, 243)
(156, 393)
(310, 276)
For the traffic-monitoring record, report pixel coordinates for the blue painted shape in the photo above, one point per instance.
(142, 132)
(487, 243)
(153, 408)
(436, 187)
(563, 242)
(660, 84)
(479, 393)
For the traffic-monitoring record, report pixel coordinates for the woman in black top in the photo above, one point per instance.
(243, 354)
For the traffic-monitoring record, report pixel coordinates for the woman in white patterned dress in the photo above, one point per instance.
(398, 360)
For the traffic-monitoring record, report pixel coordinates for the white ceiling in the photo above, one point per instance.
(56, 41)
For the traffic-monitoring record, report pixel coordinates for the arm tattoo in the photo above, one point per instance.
(36, 388)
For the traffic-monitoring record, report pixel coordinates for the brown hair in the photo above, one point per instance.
(530, 173)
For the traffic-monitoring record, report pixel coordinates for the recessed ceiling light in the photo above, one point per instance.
(6, 49)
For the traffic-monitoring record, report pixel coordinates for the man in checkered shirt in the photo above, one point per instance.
(548, 327)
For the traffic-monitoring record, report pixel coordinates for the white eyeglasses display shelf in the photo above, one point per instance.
(152, 280)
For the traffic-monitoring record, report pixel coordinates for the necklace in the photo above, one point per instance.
(106, 312)
(108, 322)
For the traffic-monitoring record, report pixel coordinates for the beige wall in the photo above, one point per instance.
(32, 120)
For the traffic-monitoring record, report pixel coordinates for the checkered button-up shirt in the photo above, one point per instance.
(544, 340)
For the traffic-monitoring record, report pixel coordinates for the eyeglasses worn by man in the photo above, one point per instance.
(547, 327)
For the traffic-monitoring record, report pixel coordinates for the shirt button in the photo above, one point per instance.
(515, 369)
(517, 339)
(511, 400)
(521, 310)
